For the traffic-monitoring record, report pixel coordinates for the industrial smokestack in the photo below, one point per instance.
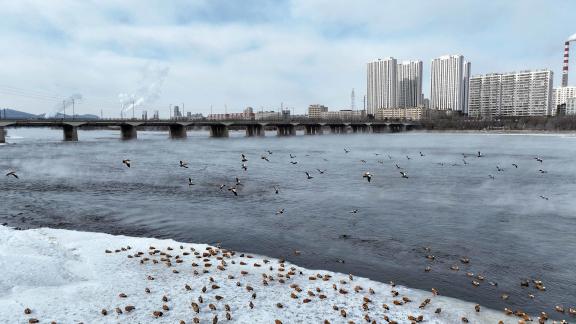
(565, 65)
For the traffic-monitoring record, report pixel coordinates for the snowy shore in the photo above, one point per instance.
(71, 277)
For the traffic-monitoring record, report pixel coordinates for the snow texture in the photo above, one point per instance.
(70, 277)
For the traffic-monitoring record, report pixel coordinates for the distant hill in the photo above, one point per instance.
(86, 116)
(15, 114)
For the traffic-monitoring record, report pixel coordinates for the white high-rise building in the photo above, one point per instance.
(466, 86)
(561, 95)
(382, 85)
(526, 93)
(449, 83)
(409, 84)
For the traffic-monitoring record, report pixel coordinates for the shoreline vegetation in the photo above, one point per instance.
(63, 276)
(504, 124)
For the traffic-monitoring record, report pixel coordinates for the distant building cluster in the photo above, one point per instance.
(321, 112)
(394, 90)
(398, 85)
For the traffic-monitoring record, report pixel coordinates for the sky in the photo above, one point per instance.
(225, 55)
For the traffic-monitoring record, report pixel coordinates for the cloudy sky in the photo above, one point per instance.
(259, 53)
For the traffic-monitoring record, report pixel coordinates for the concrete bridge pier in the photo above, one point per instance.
(177, 131)
(70, 133)
(380, 129)
(128, 132)
(338, 129)
(360, 128)
(219, 131)
(286, 130)
(254, 130)
(2, 135)
(313, 129)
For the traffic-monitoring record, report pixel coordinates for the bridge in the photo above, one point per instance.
(218, 128)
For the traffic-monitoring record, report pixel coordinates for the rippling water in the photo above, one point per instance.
(503, 226)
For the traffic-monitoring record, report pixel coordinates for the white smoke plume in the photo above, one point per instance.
(61, 106)
(572, 38)
(148, 90)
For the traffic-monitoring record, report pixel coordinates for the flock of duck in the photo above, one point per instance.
(216, 257)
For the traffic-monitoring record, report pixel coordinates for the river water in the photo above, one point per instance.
(502, 225)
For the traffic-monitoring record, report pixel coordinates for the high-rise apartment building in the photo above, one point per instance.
(382, 82)
(409, 84)
(526, 93)
(449, 78)
(561, 95)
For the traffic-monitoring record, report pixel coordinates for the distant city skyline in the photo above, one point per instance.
(255, 53)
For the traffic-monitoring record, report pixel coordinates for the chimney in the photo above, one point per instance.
(565, 66)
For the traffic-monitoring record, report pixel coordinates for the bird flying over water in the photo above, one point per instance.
(269, 152)
(515, 165)
(404, 174)
(184, 164)
(538, 159)
(368, 176)
(238, 182)
(222, 186)
(479, 154)
(293, 162)
(321, 171)
(421, 154)
(292, 156)
(346, 150)
(126, 162)
(499, 168)
(190, 183)
(543, 171)
(244, 166)
(308, 175)
(354, 211)
(244, 159)
(407, 157)
(276, 189)
(545, 198)
(12, 173)
(397, 166)
(280, 211)
(264, 157)
(491, 176)
(233, 190)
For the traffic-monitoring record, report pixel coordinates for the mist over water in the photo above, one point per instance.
(503, 226)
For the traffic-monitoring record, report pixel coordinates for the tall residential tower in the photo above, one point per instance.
(410, 84)
(382, 84)
(449, 83)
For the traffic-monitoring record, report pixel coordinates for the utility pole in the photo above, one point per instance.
(64, 107)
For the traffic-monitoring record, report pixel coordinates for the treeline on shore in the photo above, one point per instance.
(555, 123)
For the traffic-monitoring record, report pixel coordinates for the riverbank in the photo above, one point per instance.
(70, 277)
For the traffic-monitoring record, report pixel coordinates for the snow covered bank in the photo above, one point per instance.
(71, 277)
